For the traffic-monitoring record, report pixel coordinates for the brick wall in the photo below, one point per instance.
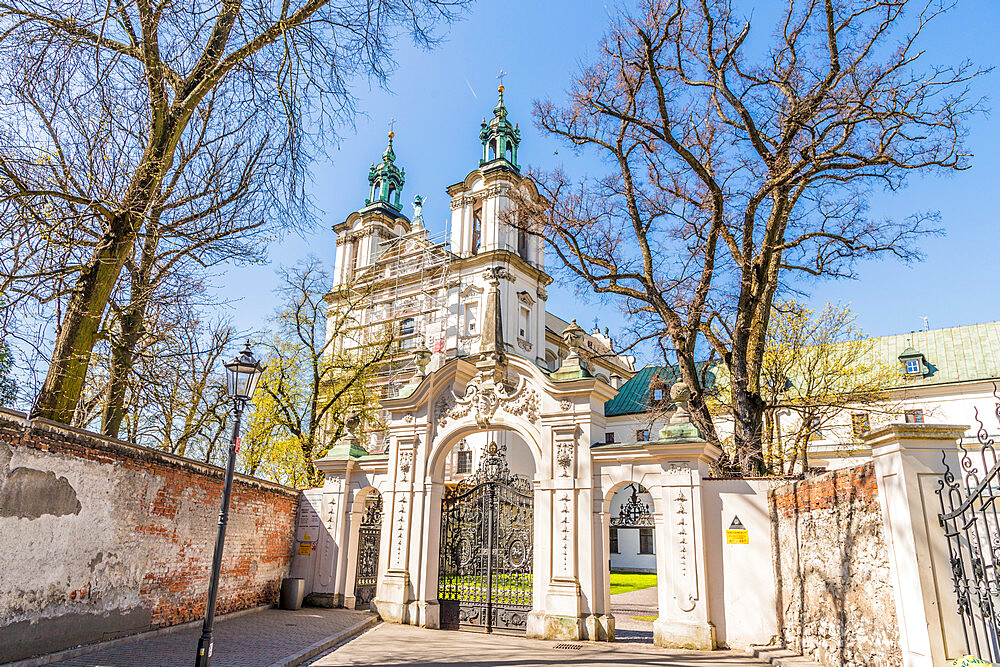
(835, 598)
(100, 538)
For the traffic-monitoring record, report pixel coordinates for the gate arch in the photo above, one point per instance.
(440, 448)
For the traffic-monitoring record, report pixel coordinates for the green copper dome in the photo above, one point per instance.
(386, 180)
(500, 138)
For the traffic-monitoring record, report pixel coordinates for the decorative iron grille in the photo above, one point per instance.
(485, 576)
(370, 531)
(972, 528)
(633, 513)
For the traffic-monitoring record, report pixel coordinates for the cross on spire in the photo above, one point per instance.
(500, 77)
(392, 124)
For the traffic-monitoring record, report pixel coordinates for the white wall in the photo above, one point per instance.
(741, 580)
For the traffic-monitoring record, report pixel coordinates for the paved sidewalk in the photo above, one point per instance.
(391, 645)
(267, 637)
(626, 606)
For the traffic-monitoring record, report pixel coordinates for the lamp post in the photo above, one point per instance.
(242, 374)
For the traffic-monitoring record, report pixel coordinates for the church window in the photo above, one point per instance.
(509, 153)
(614, 540)
(913, 367)
(859, 423)
(522, 244)
(464, 463)
(914, 416)
(642, 435)
(408, 327)
(609, 438)
(645, 540)
(469, 316)
(477, 227)
(493, 150)
(524, 324)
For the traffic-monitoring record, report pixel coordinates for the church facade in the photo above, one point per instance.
(483, 501)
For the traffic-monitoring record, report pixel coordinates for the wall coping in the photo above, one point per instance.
(133, 451)
(913, 437)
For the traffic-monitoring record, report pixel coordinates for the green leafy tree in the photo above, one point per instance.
(320, 362)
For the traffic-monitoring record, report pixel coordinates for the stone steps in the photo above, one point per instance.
(781, 657)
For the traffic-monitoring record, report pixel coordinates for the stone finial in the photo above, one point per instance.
(680, 394)
(352, 422)
(421, 358)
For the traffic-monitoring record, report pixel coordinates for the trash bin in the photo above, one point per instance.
(293, 589)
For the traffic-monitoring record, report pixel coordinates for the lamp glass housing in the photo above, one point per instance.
(243, 373)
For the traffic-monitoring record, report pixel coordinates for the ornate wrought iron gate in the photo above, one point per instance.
(484, 581)
(972, 527)
(368, 548)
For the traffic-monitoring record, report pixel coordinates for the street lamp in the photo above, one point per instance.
(242, 373)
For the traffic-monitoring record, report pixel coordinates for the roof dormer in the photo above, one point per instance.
(914, 363)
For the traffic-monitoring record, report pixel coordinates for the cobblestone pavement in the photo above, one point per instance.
(389, 645)
(251, 640)
(626, 606)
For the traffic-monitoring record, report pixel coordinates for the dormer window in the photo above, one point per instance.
(914, 364)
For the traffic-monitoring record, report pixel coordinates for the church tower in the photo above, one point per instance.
(381, 218)
(485, 236)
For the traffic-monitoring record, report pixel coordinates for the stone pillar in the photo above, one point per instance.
(395, 591)
(556, 519)
(685, 457)
(908, 466)
(683, 619)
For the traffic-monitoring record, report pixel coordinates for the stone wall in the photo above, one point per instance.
(835, 597)
(100, 538)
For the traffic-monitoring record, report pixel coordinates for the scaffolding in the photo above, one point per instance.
(412, 291)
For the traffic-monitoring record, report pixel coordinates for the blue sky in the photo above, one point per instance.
(439, 97)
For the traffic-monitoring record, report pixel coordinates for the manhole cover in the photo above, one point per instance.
(571, 647)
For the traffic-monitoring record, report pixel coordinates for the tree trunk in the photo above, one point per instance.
(77, 333)
(132, 325)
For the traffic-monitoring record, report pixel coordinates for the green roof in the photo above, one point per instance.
(633, 396)
(955, 354)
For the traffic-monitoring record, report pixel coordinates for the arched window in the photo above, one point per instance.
(408, 327)
(493, 150)
(509, 153)
(392, 191)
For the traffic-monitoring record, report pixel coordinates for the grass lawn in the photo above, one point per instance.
(623, 582)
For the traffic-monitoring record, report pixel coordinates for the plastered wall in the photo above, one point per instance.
(835, 596)
(101, 539)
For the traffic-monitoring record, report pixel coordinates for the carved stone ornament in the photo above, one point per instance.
(405, 461)
(565, 405)
(564, 456)
(482, 399)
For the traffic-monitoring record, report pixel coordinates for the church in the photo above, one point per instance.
(484, 499)
(517, 461)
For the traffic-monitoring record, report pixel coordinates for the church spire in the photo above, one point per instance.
(386, 180)
(500, 138)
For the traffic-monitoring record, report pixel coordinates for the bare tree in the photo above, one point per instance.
(735, 171)
(195, 113)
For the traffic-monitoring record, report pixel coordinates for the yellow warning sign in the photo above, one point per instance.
(737, 532)
(305, 548)
(737, 537)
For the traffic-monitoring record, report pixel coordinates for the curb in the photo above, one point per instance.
(323, 645)
(77, 651)
(780, 657)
